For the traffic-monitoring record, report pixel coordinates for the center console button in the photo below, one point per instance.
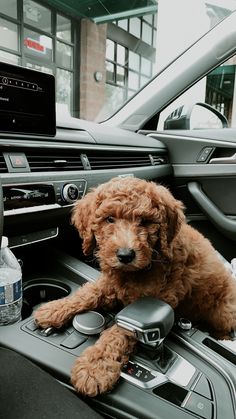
(46, 332)
(73, 341)
(89, 323)
(203, 387)
(199, 405)
(138, 372)
(32, 326)
(184, 324)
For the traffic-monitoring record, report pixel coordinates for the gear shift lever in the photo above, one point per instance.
(151, 319)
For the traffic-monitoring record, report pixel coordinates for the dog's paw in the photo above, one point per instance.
(97, 377)
(52, 314)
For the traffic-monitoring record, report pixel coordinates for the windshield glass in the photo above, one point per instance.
(102, 52)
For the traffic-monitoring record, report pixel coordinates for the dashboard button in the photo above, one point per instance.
(70, 193)
(18, 160)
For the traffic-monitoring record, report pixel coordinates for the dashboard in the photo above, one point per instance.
(42, 176)
(45, 168)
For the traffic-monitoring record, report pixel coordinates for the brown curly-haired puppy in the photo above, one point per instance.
(145, 248)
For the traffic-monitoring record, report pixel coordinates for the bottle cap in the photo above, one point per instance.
(4, 242)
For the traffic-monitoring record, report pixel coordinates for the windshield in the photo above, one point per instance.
(102, 52)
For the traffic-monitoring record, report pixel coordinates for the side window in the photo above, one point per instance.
(210, 103)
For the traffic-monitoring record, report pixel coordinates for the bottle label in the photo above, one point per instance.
(10, 293)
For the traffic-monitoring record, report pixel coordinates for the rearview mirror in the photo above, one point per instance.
(196, 116)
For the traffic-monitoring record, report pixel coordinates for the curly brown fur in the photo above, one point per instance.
(98, 368)
(172, 261)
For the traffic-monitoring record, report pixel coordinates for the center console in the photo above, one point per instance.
(18, 198)
(182, 374)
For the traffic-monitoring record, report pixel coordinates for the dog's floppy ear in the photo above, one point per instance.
(82, 218)
(171, 216)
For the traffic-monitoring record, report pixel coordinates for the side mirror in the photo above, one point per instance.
(197, 116)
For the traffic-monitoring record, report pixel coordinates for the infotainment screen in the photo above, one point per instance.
(27, 101)
(23, 196)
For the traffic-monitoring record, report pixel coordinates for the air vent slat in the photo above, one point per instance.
(122, 160)
(50, 160)
(53, 161)
(118, 165)
(125, 158)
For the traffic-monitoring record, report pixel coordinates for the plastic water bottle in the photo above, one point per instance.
(10, 286)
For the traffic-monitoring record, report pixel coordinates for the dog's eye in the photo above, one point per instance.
(145, 222)
(110, 220)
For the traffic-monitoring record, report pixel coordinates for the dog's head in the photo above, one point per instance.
(127, 220)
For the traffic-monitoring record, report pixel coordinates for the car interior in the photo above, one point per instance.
(47, 164)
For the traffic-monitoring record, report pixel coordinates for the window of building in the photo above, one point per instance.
(9, 35)
(38, 46)
(129, 66)
(38, 16)
(220, 89)
(9, 8)
(9, 58)
(42, 40)
(64, 86)
(123, 24)
(63, 28)
(135, 27)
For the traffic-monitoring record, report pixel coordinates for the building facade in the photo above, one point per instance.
(99, 66)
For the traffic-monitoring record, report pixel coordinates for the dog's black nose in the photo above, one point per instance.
(125, 255)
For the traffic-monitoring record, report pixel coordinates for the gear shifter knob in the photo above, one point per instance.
(150, 318)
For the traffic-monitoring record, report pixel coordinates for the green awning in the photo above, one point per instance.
(101, 11)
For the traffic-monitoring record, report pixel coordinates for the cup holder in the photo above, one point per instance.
(40, 291)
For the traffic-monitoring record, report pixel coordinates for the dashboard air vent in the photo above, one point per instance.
(3, 166)
(54, 161)
(157, 160)
(121, 160)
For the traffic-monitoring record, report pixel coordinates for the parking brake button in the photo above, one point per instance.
(199, 405)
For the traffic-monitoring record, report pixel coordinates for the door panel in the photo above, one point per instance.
(223, 223)
(207, 188)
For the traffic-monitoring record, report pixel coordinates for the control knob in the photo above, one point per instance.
(70, 193)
